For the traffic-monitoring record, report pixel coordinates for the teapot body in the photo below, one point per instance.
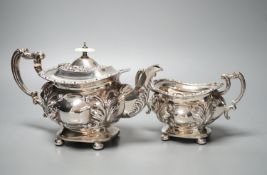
(93, 108)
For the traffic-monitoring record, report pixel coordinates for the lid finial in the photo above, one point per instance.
(84, 45)
(84, 50)
(85, 60)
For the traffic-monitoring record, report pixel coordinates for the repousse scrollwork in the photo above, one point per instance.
(201, 112)
(50, 98)
(103, 110)
(140, 103)
(163, 108)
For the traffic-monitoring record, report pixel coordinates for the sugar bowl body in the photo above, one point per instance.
(187, 109)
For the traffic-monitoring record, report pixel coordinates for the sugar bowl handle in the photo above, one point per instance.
(227, 78)
(36, 57)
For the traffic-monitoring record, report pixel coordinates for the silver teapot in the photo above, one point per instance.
(85, 98)
(187, 109)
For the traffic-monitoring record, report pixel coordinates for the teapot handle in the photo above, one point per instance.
(36, 57)
(227, 78)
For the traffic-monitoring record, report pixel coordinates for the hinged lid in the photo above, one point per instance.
(82, 70)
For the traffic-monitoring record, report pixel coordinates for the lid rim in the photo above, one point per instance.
(49, 75)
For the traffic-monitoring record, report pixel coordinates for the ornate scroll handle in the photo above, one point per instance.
(227, 78)
(36, 57)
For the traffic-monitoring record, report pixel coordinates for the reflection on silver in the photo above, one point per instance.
(85, 98)
(187, 109)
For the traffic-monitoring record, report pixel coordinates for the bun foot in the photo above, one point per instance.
(98, 146)
(201, 141)
(164, 137)
(59, 142)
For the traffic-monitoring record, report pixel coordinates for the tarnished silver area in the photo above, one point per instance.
(85, 98)
(187, 109)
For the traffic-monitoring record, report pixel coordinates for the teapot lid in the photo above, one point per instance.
(83, 70)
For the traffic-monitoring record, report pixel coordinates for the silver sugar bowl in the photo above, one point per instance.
(187, 109)
(85, 98)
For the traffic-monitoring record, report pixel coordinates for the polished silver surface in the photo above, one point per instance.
(187, 108)
(82, 72)
(85, 98)
(194, 41)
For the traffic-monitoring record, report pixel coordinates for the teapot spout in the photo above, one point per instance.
(136, 99)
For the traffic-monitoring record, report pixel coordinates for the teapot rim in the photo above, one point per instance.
(49, 75)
